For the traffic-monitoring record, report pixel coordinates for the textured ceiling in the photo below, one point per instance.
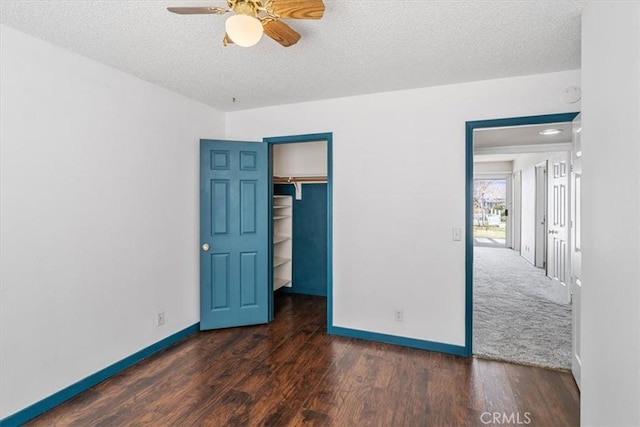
(358, 47)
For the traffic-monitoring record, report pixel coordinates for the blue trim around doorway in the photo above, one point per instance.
(469, 128)
(328, 137)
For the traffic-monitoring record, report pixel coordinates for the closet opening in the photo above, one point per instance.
(300, 218)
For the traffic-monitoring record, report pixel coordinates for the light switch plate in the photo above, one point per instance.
(457, 234)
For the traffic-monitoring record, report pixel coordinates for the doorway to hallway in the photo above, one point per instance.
(501, 146)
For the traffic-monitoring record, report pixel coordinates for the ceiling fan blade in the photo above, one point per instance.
(282, 33)
(298, 9)
(197, 10)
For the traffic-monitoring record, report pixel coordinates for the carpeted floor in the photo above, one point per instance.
(516, 317)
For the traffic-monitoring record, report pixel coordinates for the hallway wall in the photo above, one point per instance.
(527, 164)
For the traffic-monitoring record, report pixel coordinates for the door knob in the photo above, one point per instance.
(205, 247)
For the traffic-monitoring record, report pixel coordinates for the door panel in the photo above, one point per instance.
(219, 206)
(558, 231)
(576, 251)
(541, 216)
(219, 295)
(248, 206)
(248, 279)
(517, 210)
(233, 234)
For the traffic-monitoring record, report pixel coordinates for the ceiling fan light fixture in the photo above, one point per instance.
(244, 30)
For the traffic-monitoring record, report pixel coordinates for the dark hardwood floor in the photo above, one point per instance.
(291, 372)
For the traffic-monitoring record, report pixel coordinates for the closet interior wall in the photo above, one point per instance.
(308, 212)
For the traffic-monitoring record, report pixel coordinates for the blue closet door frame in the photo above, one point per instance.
(470, 126)
(314, 137)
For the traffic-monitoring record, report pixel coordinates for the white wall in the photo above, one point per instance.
(527, 164)
(99, 207)
(399, 188)
(304, 159)
(611, 206)
(488, 168)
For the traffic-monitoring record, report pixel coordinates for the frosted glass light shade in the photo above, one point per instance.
(244, 30)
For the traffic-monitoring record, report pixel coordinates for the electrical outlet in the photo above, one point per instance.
(160, 319)
(399, 314)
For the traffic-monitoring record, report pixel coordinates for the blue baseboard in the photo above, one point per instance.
(47, 403)
(403, 341)
(305, 291)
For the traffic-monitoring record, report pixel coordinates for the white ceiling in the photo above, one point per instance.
(514, 136)
(358, 47)
(495, 158)
(508, 143)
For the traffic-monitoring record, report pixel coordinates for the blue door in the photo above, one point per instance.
(234, 247)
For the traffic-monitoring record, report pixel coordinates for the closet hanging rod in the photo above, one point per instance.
(292, 179)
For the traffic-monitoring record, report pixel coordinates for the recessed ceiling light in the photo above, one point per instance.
(551, 132)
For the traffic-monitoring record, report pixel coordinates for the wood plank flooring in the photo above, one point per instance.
(290, 373)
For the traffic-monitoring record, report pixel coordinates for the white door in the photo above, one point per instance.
(541, 215)
(517, 210)
(509, 213)
(576, 250)
(558, 261)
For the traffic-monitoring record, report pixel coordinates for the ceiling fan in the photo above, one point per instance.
(252, 18)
